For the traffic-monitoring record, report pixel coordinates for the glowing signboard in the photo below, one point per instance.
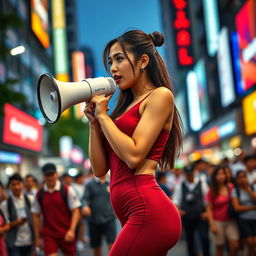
(182, 29)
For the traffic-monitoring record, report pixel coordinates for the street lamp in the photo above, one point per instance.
(17, 50)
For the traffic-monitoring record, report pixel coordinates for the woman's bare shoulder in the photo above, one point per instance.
(161, 95)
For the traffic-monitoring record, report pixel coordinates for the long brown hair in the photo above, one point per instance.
(215, 187)
(139, 43)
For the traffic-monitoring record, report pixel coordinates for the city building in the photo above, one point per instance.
(211, 58)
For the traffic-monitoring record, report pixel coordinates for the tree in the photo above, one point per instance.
(7, 94)
(68, 126)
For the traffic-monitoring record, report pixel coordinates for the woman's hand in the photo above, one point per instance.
(89, 112)
(100, 105)
(214, 229)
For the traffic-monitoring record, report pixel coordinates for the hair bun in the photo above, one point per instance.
(157, 38)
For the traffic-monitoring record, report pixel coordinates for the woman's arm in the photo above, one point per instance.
(241, 208)
(133, 150)
(97, 152)
(212, 224)
(251, 193)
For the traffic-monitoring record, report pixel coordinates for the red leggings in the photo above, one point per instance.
(151, 223)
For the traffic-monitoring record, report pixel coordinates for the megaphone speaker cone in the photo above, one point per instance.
(49, 98)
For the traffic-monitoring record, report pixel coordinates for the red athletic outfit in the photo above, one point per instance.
(151, 223)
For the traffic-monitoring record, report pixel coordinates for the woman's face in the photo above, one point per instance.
(121, 68)
(221, 176)
(241, 179)
(228, 174)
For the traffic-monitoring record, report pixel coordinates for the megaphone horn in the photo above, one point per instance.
(55, 96)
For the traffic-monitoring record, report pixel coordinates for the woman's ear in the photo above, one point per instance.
(144, 60)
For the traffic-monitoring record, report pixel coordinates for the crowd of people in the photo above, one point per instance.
(217, 205)
(57, 215)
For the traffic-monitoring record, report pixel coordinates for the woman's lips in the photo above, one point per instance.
(117, 79)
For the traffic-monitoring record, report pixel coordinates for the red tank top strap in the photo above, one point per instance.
(144, 97)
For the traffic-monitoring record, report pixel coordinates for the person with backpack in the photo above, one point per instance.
(59, 207)
(244, 202)
(16, 210)
(222, 225)
(100, 215)
(189, 199)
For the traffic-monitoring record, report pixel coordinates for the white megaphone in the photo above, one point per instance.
(55, 96)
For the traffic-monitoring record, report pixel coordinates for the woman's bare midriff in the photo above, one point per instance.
(147, 167)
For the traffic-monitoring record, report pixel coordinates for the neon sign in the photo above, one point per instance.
(182, 30)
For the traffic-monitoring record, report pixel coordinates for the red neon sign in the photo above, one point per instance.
(182, 27)
(21, 129)
(210, 136)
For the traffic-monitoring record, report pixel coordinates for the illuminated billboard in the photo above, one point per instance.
(79, 74)
(182, 30)
(246, 29)
(212, 25)
(227, 90)
(21, 129)
(40, 22)
(198, 101)
(249, 109)
(60, 40)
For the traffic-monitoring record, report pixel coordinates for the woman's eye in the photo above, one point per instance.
(110, 63)
(119, 59)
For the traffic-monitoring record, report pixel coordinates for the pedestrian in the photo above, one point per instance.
(174, 178)
(16, 210)
(30, 187)
(201, 167)
(101, 218)
(161, 180)
(143, 131)
(3, 193)
(78, 186)
(4, 226)
(244, 201)
(59, 207)
(189, 199)
(222, 225)
(66, 179)
(250, 168)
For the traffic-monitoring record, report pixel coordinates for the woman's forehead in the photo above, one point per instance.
(115, 48)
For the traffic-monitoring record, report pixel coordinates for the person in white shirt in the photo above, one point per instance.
(250, 168)
(189, 199)
(16, 210)
(59, 206)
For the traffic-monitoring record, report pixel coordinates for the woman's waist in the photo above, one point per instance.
(133, 182)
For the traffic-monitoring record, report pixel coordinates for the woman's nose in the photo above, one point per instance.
(113, 68)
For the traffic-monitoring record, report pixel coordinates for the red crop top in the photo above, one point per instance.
(127, 123)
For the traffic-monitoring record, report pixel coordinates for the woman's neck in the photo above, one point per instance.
(143, 87)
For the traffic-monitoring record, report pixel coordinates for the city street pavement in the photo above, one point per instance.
(178, 250)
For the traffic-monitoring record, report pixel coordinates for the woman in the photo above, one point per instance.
(142, 132)
(244, 202)
(222, 226)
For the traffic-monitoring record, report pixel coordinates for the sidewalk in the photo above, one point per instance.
(178, 250)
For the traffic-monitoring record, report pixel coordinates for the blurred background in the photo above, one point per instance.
(210, 52)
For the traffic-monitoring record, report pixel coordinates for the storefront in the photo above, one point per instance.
(222, 137)
(21, 143)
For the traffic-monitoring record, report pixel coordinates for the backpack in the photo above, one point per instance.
(232, 213)
(63, 191)
(12, 214)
